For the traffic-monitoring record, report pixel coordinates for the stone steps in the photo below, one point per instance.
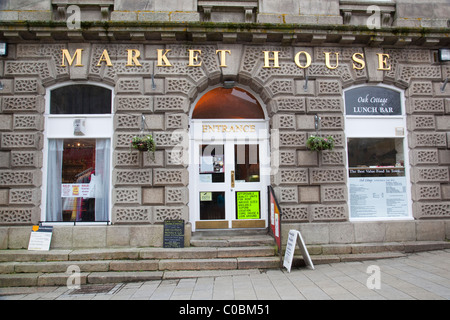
(34, 268)
(114, 265)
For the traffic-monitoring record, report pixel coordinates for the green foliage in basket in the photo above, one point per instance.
(315, 143)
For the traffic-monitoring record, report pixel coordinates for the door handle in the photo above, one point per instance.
(232, 179)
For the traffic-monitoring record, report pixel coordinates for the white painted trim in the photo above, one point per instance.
(64, 123)
(261, 136)
(379, 127)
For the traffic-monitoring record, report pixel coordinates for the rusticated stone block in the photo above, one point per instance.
(329, 212)
(291, 176)
(309, 194)
(435, 139)
(423, 210)
(432, 174)
(333, 193)
(332, 157)
(295, 213)
(425, 156)
(26, 159)
(288, 194)
(127, 195)
(170, 138)
(28, 122)
(20, 178)
(288, 104)
(164, 177)
(126, 158)
(292, 139)
(132, 177)
(133, 103)
(283, 121)
(171, 103)
(130, 85)
(150, 160)
(12, 215)
(6, 122)
(139, 214)
(170, 213)
(305, 122)
(153, 195)
(23, 104)
(20, 140)
(287, 157)
(426, 192)
(176, 195)
(25, 196)
(320, 175)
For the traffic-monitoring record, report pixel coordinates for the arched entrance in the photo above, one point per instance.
(229, 161)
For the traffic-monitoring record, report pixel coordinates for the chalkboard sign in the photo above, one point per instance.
(173, 234)
(372, 101)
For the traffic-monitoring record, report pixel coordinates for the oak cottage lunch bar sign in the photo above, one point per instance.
(271, 59)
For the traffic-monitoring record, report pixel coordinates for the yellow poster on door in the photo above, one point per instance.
(248, 205)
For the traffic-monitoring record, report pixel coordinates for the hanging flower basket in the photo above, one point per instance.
(145, 143)
(315, 143)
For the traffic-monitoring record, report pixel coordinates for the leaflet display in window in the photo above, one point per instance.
(377, 181)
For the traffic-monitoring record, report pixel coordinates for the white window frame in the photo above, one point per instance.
(60, 126)
(379, 127)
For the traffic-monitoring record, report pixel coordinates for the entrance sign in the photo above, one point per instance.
(372, 101)
(295, 235)
(247, 205)
(40, 238)
(173, 234)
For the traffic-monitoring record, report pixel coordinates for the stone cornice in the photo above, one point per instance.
(204, 32)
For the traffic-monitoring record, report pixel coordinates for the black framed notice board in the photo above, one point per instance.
(173, 234)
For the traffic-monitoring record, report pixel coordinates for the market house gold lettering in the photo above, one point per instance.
(66, 55)
(297, 59)
(193, 58)
(267, 59)
(223, 64)
(382, 62)
(271, 59)
(132, 58)
(163, 58)
(358, 58)
(104, 57)
(327, 60)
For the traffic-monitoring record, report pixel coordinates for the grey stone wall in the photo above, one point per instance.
(311, 186)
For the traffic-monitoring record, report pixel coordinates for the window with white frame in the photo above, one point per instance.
(78, 163)
(379, 187)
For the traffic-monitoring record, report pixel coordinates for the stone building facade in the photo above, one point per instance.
(297, 58)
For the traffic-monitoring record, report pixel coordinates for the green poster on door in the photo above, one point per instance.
(247, 205)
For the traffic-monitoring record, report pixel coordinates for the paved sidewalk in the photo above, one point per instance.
(422, 276)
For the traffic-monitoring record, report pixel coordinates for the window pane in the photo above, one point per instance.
(212, 163)
(212, 205)
(77, 169)
(78, 180)
(375, 157)
(246, 160)
(80, 99)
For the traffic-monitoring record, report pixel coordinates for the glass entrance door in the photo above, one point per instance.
(230, 191)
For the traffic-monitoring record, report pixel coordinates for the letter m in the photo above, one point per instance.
(66, 56)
